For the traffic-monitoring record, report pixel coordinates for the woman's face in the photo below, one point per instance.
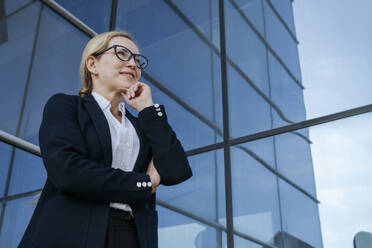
(113, 73)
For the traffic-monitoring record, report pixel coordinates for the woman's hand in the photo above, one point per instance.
(154, 175)
(137, 96)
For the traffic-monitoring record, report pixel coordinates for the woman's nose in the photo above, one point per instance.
(131, 62)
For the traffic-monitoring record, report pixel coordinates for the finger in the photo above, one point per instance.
(139, 91)
(136, 88)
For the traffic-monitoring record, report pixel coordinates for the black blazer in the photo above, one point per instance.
(75, 145)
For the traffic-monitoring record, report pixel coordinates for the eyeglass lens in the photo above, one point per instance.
(125, 54)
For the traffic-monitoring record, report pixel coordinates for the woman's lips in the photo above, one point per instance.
(127, 73)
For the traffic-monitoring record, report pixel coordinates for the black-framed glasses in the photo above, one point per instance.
(125, 54)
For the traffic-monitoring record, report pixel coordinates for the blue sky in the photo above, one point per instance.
(336, 61)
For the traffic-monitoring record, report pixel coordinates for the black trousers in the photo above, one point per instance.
(121, 230)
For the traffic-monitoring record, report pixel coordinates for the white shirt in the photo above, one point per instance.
(124, 140)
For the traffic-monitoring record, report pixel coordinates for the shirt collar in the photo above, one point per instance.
(106, 104)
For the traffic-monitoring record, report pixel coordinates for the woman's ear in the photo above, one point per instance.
(91, 63)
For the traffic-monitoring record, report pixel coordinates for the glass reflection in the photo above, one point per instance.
(15, 54)
(285, 10)
(53, 69)
(94, 13)
(10, 5)
(176, 230)
(282, 43)
(294, 160)
(250, 10)
(240, 242)
(245, 49)
(179, 60)
(255, 197)
(285, 93)
(206, 188)
(205, 17)
(16, 217)
(248, 112)
(342, 164)
(300, 218)
(5, 155)
(28, 173)
(185, 123)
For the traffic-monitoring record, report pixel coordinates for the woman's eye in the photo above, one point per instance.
(123, 52)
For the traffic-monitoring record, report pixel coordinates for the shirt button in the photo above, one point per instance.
(160, 114)
(139, 184)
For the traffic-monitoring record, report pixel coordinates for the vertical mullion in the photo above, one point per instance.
(114, 7)
(7, 185)
(226, 134)
(218, 231)
(3, 27)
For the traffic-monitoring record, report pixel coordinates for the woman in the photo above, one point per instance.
(103, 164)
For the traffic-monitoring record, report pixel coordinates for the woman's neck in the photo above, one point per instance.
(114, 97)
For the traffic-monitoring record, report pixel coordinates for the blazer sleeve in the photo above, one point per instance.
(170, 159)
(63, 150)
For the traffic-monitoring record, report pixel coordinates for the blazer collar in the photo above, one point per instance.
(103, 131)
(101, 125)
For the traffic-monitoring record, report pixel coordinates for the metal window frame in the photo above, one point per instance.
(227, 141)
(23, 143)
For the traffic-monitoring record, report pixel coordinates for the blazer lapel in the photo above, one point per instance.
(141, 158)
(101, 125)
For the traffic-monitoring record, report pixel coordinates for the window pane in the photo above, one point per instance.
(94, 13)
(300, 217)
(16, 217)
(28, 173)
(251, 9)
(261, 150)
(342, 164)
(285, 10)
(11, 5)
(293, 156)
(206, 187)
(176, 230)
(191, 131)
(245, 49)
(5, 155)
(335, 53)
(55, 68)
(178, 59)
(15, 54)
(282, 43)
(240, 242)
(248, 112)
(204, 17)
(255, 197)
(286, 94)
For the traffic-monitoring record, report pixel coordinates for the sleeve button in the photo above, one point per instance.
(139, 184)
(160, 113)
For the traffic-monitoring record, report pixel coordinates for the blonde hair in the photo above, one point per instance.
(96, 44)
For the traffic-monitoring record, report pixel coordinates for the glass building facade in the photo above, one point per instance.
(228, 73)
